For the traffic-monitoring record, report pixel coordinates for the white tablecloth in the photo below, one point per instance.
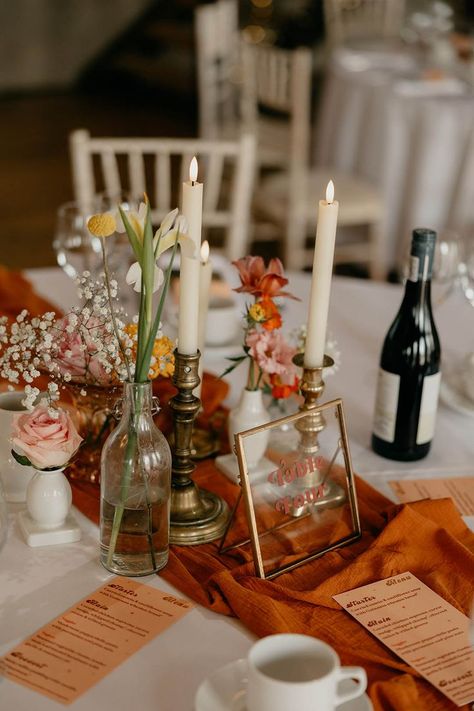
(413, 138)
(39, 584)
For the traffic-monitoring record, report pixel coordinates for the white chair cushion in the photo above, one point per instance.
(359, 202)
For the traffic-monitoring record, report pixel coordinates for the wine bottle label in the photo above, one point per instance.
(386, 403)
(428, 407)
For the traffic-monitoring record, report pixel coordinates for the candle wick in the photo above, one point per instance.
(193, 183)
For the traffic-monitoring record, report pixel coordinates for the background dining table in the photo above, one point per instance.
(37, 584)
(388, 116)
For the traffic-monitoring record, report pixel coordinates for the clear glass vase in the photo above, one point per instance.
(135, 489)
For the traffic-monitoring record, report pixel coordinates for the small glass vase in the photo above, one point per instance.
(135, 489)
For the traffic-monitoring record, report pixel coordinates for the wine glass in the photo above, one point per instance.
(446, 266)
(76, 249)
(457, 388)
(467, 268)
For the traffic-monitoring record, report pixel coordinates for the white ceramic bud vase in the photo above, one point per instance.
(250, 412)
(47, 519)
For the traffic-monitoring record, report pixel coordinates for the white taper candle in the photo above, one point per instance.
(321, 279)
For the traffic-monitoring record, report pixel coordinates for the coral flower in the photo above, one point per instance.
(282, 390)
(272, 318)
(258, 280)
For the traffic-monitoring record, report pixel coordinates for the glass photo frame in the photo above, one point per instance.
(300, 498)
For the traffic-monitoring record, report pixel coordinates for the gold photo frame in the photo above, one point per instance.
(300, 498)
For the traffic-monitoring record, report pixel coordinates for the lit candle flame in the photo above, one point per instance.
(193, 170)
(205, 252)
(330, 192)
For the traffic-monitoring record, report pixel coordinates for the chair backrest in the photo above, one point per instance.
(217, 46)
(279, 81)
(156, 166)
(352, 19)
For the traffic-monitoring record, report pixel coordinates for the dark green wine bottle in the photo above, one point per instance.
(409, 374)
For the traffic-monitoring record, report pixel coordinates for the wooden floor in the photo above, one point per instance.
(34, 160)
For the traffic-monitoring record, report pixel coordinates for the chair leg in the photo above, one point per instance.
(294, 247)
(378, 267)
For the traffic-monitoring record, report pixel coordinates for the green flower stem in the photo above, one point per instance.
(140, 333)
(143, 366)
(149, 509)
(132, 445)
(124, 488)
(146, 334)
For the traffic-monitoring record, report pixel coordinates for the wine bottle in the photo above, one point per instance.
(409, 374)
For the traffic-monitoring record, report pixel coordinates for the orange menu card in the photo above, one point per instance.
(77, 649)
(421, 627)
(459, 489)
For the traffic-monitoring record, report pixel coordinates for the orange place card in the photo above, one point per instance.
(421, 627)
(77, 649)
(459, 489)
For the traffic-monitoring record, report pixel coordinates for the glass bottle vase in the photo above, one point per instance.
(135, 489)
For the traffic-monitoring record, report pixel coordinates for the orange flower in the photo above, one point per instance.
(272, 317)
(281, 390)
(162, 361)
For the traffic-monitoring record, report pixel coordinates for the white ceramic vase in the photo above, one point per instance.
(48, 499)
(250, 412)
(15, 477)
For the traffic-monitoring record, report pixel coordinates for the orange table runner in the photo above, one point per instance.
(428, 538)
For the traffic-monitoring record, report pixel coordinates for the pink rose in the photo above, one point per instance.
(77, 352)
(46, 441)
(272, 353)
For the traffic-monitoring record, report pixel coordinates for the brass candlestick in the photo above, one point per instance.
(312, 387)
(197, 515)
(309, 428)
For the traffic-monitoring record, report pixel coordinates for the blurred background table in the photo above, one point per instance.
(384, 117)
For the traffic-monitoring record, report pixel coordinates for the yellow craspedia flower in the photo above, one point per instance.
(257, 313)
(102, 225)
(162, 359)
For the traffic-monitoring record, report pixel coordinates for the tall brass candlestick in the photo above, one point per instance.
(197, 515)
(312, 387)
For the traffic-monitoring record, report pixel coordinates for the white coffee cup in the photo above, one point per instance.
(222, 322)
(15, 477)
(295, 671)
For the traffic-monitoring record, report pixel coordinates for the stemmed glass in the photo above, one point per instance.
(446, 266)
(467, 268)
(457, 387)
(76, 249)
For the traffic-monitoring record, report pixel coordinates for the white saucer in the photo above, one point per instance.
(224, 690)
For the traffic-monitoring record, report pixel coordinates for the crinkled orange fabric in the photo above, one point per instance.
(428, 538)
(16, 293)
